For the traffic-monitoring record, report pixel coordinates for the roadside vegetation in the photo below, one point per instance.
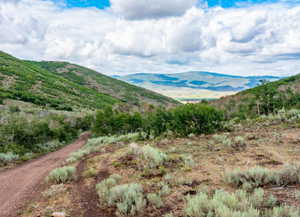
(28, 133)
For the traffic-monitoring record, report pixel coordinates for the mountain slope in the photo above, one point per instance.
(118, 89)
(263, 99)
(32, 82)
(197, 80)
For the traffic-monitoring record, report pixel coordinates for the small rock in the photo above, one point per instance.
(58, 214)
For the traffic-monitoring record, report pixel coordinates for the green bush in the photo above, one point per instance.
(62, 175)
(195, 119)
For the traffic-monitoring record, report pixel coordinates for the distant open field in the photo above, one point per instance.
(184, 94)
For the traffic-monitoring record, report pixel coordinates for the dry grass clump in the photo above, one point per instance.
(258, 177)
(90, 172)
(238, 204)
(237, 143)
(62, 175)
(54, 190)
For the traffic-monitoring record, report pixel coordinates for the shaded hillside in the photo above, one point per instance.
(263, 99)
(33, 82)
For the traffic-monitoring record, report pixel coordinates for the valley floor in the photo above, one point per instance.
(268, 146)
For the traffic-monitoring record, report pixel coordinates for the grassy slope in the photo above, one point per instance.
(292, 82)
(121, 90)
(28, 81)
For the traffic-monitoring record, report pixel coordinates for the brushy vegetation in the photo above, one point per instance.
(62, 175)
(96, 144)
(32, 134)
(268, 98)
(182, 121)
(238, 204)
(259, 177)
(129, 199)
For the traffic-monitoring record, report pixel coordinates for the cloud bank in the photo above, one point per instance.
(147, 9)
(133, 37)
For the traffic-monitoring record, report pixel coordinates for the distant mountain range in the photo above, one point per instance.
(194, 86)
(197, 80)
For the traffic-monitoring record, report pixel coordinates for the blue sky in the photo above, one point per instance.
(211, 3)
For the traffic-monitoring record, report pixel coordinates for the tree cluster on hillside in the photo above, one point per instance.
(265, 99)
(182, 120)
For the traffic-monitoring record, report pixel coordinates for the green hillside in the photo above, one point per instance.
(118, 89)
(64, 86)
(267, 98)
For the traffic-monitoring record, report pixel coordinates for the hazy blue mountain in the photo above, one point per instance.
(196, 80)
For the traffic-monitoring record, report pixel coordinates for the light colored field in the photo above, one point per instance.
(185, 94)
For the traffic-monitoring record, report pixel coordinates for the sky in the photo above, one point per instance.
(118, 37)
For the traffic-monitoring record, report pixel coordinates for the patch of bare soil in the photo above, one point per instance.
(89, 200)
(23, 183)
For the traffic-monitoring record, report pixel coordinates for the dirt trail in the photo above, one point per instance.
(88, 197)
(19, 185)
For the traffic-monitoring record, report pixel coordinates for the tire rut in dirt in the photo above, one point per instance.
(89, 200)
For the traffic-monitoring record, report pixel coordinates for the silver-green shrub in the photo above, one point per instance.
(149, 156)
(258, 177)
(62, 175)
(96, 144)
(155, 200)
(127, 198)
(238, 204)
(6, 158)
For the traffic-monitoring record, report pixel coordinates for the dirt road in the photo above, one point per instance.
(19, 185)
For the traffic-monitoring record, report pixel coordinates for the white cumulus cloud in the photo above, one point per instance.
(143, 9)
(253, 40)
